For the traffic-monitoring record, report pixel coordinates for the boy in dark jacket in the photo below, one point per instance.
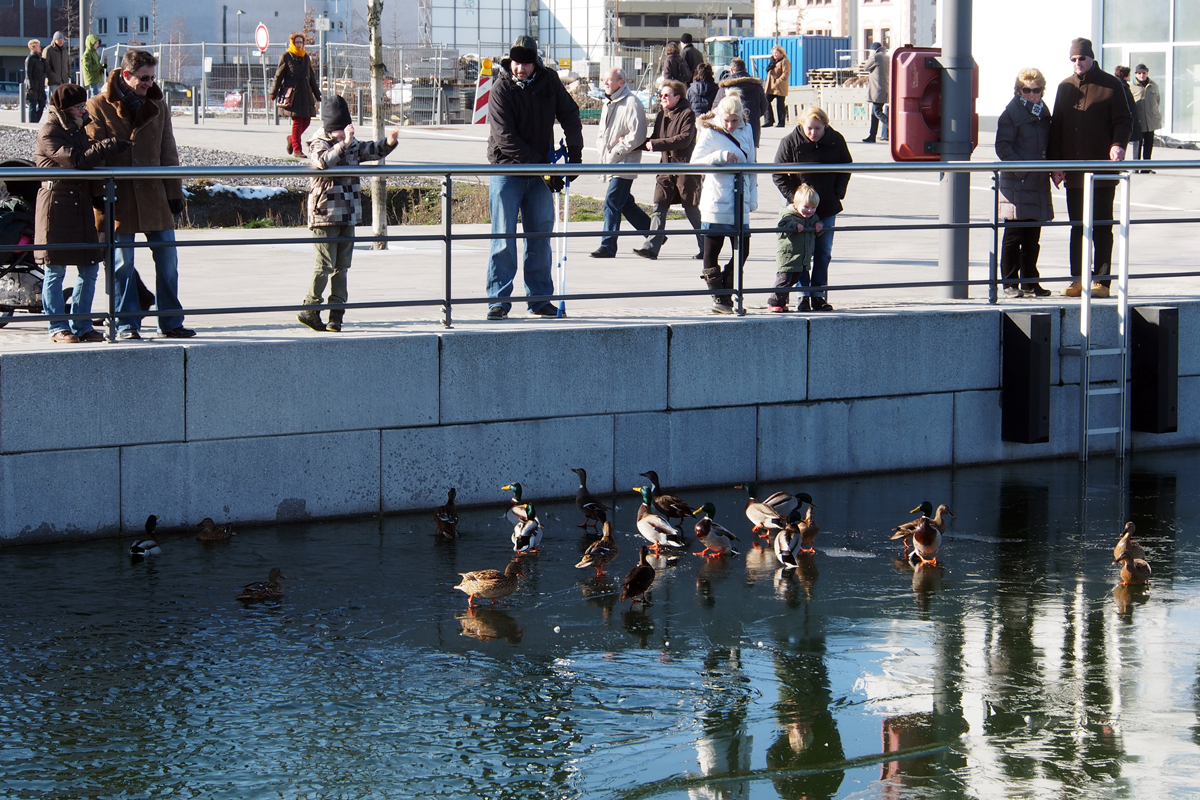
(797, 242)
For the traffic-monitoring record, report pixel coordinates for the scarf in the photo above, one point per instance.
(298, 53)
(1033, 108)
(1143, 83)
(132, 99)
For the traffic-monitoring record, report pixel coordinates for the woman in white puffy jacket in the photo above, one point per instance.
(724, 137)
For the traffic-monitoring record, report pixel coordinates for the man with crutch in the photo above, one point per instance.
(526, 99)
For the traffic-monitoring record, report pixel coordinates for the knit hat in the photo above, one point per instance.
(686, 38)
(876, 46)
(1082, 47)
(335, 114)
(57, 35)
(1141, 68)
(67, 95)
(524, 50)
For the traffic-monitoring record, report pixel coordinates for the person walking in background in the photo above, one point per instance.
(1135, 134)
(35, 81)
(1091, 122)
(702, 92)
(691, 54)
(620, 140)
(93, 67)
(132, 107)
(335, 207)
(296, 91)
(754, 99)
(724, 137)
(813, 141)
(799, 227)
(58, 62)
(675, 68)
(674, 135)
(1147, 102)
(779, 77)
(877, 91)
(1022, 134)
(526, 100)
(64, 212)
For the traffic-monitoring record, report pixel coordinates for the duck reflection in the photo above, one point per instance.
(638, 625)
(1126, 597)
(902, 733)
(794, 585)
(726, 745)
(490, 623)
(601, 591)
(808, 734)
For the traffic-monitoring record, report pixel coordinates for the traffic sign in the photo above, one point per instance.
(260, 38)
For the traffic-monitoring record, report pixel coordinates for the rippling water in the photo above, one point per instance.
(1015, 662)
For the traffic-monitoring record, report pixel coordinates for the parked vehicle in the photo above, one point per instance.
(10, 92)
(176, 93)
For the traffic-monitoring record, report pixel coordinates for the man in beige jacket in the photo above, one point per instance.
(622, 134)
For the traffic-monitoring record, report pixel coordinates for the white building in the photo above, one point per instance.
(893, 22)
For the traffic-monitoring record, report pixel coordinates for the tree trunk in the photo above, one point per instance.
(378, 185)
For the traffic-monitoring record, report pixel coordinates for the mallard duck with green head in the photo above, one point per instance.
(936, 519)
(489, 584)
(785, 503)
(716, 538)
(600, 553)
(767, 521)
(148, 544)
(527, 535)
(516, 505)
(668, 505)
(653, 528)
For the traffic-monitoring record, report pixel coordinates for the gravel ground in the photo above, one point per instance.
(19, 142)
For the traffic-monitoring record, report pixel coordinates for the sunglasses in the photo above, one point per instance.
(1028, 90)
(1077, 59)
(143, 78)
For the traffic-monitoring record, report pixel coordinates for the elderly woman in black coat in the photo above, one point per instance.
(1022, 133)
(296, 90)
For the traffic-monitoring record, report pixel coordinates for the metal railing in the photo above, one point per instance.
(446, 235)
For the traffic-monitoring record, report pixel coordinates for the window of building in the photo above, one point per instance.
(885, 36)
(143, 24)
(655, 20)
(122, 24)
(868, 38)
(100, 26)
(632, 20)
(1146, 21)
(1187, 21)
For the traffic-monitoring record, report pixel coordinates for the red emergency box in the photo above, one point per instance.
(915, 123)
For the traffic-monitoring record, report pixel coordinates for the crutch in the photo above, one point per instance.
(560, 227)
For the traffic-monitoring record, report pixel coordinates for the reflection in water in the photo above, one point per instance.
(725, 745)
(489, 623)
(808, 730)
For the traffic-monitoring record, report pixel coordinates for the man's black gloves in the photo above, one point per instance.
(176, 206)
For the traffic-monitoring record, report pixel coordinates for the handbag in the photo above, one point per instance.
(286, 99)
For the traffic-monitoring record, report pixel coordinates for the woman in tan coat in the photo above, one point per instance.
(779, 75)
(296, 91)
(64, 212)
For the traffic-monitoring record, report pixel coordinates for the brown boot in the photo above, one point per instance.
(1074, 290)
(1099, 290)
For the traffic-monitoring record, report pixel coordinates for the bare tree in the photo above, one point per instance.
(378, 185)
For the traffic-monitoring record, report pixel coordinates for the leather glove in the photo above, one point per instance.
(98, 202)
(121, 145)
(555, 182)
(574, 157)
(176, 206)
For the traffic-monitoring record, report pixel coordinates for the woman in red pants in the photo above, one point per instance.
(296, 91)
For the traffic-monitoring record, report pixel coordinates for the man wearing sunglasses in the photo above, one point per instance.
(131, 106)
(1091, 122)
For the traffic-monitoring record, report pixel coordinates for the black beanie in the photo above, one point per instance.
(335, 114)
(67, 95)
(1082, 47)
(524, 50)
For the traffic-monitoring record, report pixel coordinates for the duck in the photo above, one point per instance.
(489, 584)
(527, 535)
(1134, 571)
(787, 544)
(716, 538)
(654, 528)
(937, 520)
(785, 503)
(763, 516)
(269, 589)
(594, 512)
(807, 528)
(446, 517)
(600, 553)
(516, 506)
(147, 546)
(209, 532)
(639, 580)
(926, 540)
(668, 505)
(1127, 545)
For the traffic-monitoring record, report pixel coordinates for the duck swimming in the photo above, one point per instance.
(148, 545)
(209, 532)
(446, 517)
(270, 589)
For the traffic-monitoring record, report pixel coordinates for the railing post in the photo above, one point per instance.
(447, 243)
(359, 101)
(110, 261)
(739, 254)
(195, 105)
(994, 255)
(246, 105)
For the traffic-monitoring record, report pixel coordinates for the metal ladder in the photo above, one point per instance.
(1085, 351)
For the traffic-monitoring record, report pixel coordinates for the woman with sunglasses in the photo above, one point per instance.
(1022, 134)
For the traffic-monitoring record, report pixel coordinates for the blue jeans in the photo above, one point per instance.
(81, 297)
(821, 258)
(618, 202)
(166, 281)
(93, 89)
(508, 195)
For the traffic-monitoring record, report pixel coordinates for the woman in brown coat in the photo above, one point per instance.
(64, 211)
(779, 75)
(674, 135)
(296, 91)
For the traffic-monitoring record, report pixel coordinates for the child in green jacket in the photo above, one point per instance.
(797, 242)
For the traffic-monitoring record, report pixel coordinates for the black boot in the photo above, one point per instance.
(335, 320)
(311, 318)
(715, 280)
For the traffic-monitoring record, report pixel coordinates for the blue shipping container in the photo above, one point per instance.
(805, 53)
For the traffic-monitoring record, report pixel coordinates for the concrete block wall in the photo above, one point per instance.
(93, 440)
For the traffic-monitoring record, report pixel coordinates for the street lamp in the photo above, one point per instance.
(238, 57)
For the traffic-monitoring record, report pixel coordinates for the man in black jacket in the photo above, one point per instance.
(691, 54)
(526, 100)
(754, 96)
(35, 79)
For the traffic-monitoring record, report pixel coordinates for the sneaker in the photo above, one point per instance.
(497, 312)
(820, 304)
(64, 337)
(548, 310)
(1012, 291)
(722, 307)
(804, 305)
(777, 309)
(869, 140)
(699, 256)
(334, 326)
(92, 336)
(311, 319)
(1099, 290)
(645, 253)
(129, 334)
(1036, 290)
(178, 333)
(600, 252)
(1074, 290)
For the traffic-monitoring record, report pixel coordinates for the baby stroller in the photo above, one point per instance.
(20, 277)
